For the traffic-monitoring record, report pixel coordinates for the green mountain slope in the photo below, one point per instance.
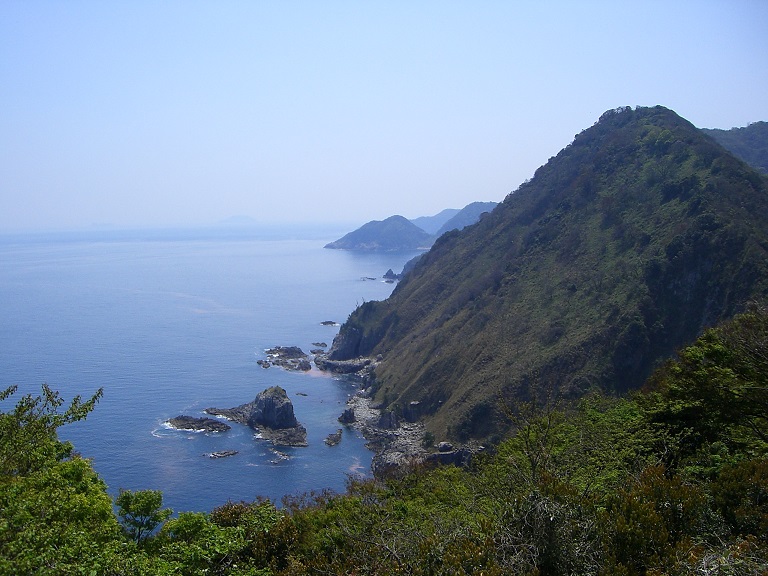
(393, 234)
(620, 250)
(749, 143)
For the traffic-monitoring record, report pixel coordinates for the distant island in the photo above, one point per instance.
(397, 233)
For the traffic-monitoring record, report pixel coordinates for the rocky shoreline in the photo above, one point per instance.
(395, 442)
(392, 448)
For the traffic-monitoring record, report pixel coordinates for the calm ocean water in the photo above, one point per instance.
(173, 322)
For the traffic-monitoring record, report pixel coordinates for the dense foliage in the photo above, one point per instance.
(619, 251)
(670, 480)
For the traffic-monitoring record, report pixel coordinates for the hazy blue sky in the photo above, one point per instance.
(166, 113)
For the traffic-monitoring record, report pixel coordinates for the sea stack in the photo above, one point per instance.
(271, 413)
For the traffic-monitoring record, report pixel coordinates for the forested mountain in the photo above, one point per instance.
(467, 216)
(393, 234)
(623, 248)
(749, 143)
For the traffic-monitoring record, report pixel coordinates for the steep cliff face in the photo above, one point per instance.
(621, 249)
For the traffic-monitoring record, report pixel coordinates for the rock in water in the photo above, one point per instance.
(192, 423)
(273, 408)
(348, 416)
(288, 357)
(271, 413)
(334, 438)
(222, 454)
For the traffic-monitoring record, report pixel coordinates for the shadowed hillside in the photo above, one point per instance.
(467, 216)
(624, 247)
(749, 143)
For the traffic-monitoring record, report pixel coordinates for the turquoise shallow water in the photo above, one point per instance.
(173, 322)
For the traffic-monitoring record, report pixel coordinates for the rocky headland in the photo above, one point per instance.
(271, 414)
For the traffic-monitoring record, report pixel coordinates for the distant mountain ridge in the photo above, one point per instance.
(432, 224)
(749, 143)
(467, 216)
(621, 249)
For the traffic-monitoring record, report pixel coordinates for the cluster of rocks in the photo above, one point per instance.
(271, 414)
(393, 443)
(396, 438)
(288, 357)
(319, 348)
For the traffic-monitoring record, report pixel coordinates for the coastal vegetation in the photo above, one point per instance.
(672, 479)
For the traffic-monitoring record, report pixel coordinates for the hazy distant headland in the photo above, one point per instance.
(397, 233)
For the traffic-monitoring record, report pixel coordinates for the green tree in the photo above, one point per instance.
(28, 433)
(141, 512)
(710, 406)
(55, 514)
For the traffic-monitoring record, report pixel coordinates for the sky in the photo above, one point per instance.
(184, 113)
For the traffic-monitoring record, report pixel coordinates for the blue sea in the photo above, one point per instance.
(172, 322)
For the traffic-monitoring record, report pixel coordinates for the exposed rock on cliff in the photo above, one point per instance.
(392, 447)
(271, 413)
